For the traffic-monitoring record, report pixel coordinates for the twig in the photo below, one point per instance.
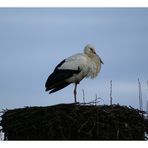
(111, 99)
(140, 95)
(83, 96)
(97, 100)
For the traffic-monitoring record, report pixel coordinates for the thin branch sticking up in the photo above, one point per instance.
(147, 109)
(111, 99)
(140, 95)
(83, 96)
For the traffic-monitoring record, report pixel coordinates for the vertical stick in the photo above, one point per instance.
(147, 109)
(83, 96)
(147, 102)
(96, 99)
(147, 89)
(140, 95)
(111, 99)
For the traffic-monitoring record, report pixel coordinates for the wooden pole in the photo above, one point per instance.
(147, 102)
(111, 99)
(83, 96)
(147, 89)
(140, 95)
(147, 109)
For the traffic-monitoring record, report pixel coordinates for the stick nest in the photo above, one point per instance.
(74, 122)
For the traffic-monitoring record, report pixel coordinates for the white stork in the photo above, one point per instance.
(73, 69)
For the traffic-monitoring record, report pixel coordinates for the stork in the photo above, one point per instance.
(73, 69)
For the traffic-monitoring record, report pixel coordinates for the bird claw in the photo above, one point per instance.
(77, 103)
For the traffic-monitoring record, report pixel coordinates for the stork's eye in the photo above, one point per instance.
(91, 49)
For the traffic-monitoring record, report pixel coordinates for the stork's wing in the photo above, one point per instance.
(56, 80)
(64, 70)
(73, 63)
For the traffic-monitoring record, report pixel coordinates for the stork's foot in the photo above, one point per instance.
(77, 103)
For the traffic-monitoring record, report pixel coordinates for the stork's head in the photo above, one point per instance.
(90, 50)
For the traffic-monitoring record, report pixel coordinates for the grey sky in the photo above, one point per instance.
(33, 41)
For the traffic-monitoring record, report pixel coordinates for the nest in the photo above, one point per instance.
(74, 122)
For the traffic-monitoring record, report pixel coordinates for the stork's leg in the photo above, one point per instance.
(75, 92)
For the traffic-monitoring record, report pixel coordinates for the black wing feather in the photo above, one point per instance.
(59, 86)
(56, 80)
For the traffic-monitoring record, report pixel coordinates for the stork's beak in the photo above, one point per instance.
(101, 61)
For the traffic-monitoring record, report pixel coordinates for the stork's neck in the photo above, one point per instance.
(89, 55)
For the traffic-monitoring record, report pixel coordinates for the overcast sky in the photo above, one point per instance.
(33, 41)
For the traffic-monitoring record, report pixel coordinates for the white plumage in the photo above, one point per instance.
(74, 69)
